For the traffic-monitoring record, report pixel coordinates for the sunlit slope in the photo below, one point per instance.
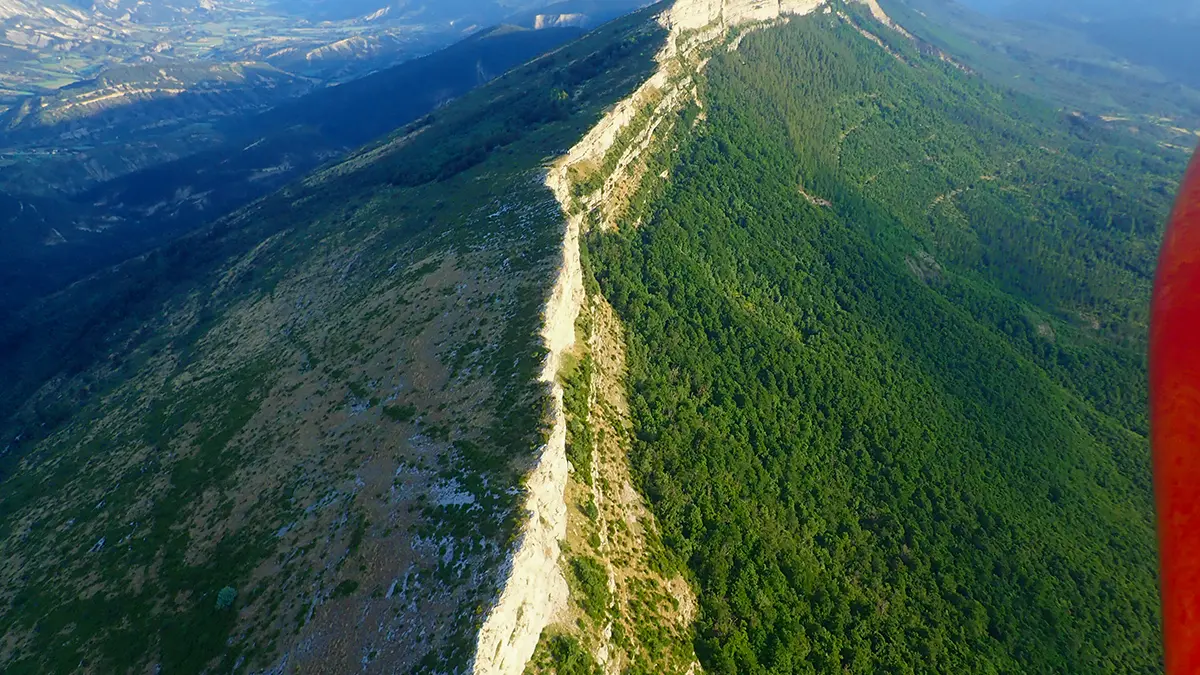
(295, 439)
(885, 367)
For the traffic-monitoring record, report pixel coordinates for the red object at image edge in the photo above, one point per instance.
(1175, 425)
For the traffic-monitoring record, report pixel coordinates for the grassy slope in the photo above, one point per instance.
(323, 401)
(905, 433)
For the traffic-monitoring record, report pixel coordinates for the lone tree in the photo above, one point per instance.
(225, 597)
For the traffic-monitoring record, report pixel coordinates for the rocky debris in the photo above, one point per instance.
(815, 201)
(924, 266)
(883, 18)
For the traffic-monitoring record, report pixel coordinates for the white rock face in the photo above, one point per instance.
(560, 20)
(536, 588)
(695, 14)
(536, 591)
(743, 11)
(883, 18)
(799, 7)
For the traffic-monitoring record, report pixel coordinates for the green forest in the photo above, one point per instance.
(887, 326)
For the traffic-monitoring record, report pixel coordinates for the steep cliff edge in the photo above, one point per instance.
(609, 534)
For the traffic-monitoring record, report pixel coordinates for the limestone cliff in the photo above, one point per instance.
(591, 183)
(560, 20)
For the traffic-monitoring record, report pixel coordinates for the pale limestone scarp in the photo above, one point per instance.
(535, 590)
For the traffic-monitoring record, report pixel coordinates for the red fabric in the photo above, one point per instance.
(1175, 426)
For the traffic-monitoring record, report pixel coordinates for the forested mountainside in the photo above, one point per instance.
(886, 364)
(835, 365)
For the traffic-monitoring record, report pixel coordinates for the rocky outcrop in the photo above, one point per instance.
(694, 14)
(560, 21)
(688, 15)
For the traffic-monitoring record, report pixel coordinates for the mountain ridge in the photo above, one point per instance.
(465, 250)
(731, 334)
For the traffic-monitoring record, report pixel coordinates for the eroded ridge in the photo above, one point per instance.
(590, 184)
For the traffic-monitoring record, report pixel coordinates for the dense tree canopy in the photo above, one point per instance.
(906, 432)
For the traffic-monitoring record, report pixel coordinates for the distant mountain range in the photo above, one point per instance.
(72, 71)
(156, 142)
(1167, 9)
(46, 44)
(1155, 33)
(49, 241)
